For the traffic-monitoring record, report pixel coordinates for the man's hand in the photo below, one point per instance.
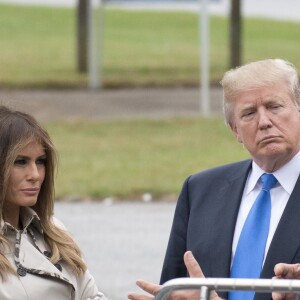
(286, 271)
(194, 270)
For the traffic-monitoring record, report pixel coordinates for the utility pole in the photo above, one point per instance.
(204, 57)
(235, 33)
(82, 35)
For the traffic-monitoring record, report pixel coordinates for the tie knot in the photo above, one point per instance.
(268, 181)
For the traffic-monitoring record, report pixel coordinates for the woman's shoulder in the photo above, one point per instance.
(58, 223)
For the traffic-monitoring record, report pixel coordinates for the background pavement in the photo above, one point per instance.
(121, 242)
(54, 105)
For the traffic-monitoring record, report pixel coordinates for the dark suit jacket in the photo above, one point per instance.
(204, 223)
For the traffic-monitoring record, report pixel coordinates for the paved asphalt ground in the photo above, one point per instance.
(53, 105)
(121, 242)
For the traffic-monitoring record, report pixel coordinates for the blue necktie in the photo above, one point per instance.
(250, 251)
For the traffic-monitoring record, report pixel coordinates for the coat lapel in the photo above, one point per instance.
(227, 207)
(35, 262)
(286, 240)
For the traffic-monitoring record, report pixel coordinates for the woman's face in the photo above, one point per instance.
(26, 177)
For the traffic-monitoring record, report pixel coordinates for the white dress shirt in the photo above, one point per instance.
(280, 194)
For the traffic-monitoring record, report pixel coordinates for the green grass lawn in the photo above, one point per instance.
(125, 159)
(140, 48)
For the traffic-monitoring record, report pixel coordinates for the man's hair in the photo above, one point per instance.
(262, 73)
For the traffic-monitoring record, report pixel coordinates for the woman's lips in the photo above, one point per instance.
(31, 191)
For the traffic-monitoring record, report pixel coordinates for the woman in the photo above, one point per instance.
(38, 258)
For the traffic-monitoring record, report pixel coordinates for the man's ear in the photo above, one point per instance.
(235, 132)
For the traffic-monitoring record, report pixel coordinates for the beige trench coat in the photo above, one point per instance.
(49, 283)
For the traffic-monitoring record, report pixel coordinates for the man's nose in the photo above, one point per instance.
(264, 120)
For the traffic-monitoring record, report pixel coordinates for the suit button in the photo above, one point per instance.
(21, 271)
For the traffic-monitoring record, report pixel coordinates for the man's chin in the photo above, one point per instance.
(271, 149)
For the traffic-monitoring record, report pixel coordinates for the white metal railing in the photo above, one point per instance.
(206, 285)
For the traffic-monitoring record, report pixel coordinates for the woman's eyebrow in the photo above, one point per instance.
(28, 157)
(22, 156)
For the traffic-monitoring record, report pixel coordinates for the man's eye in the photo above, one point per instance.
(247, 114)
(275, 106)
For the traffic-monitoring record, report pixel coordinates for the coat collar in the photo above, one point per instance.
(28, 217)
(33, 261)
(27, 255)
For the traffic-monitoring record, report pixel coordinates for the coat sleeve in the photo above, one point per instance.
(173, 266)
(87, 288)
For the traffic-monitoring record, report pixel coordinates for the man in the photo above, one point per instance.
(261, 106)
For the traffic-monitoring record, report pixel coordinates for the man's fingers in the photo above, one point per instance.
(281, 270)
(287, 271)
(194, 270)
(192, 265)
(279, 296)
(135, 296)
(149, 287)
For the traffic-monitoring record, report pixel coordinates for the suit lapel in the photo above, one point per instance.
(227, 207)
(286, 240)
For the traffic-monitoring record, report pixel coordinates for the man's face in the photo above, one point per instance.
(267, 122)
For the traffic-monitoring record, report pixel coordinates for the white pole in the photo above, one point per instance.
(204, 60)
(95, 38)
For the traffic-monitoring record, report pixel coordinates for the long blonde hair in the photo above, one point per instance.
(17, 129)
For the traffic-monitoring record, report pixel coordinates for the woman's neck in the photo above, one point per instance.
(11, 215)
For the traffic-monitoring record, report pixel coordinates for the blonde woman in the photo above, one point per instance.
(38, 258)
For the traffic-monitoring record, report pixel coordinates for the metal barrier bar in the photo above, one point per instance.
(227, 284)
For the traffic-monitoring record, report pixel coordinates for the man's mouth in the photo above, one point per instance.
(269, 139)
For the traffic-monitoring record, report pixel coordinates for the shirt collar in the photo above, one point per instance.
(287, 175)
